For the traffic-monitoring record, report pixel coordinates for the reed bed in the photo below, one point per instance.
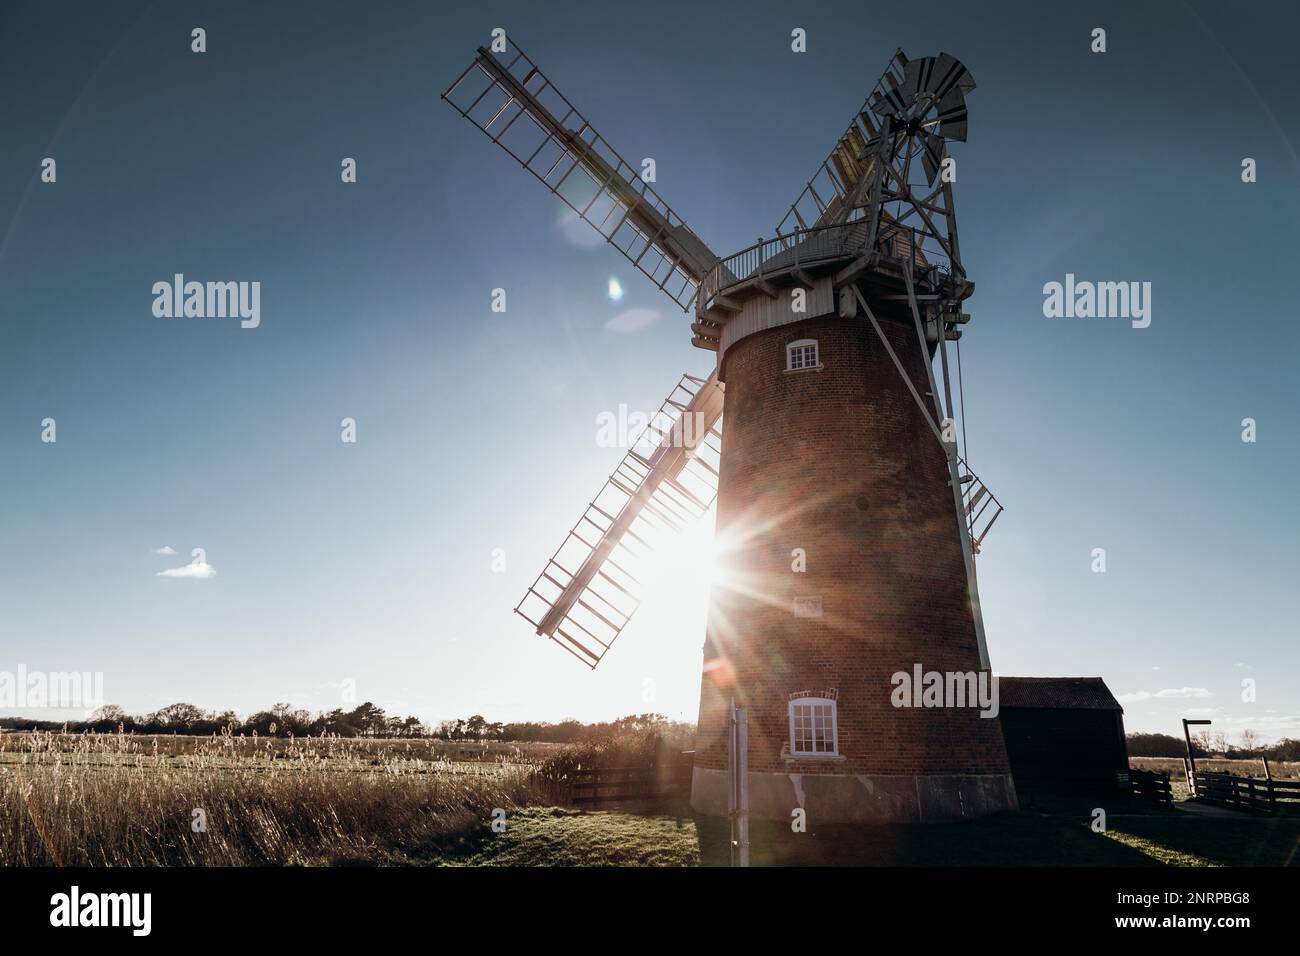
(123, 800)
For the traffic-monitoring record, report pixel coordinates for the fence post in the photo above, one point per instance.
(742, 741)
(738, 785)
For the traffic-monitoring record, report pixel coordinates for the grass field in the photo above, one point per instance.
(120, 800)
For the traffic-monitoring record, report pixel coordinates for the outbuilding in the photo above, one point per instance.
(1063, 733)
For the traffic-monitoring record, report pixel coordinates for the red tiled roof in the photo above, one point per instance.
(1076, 693)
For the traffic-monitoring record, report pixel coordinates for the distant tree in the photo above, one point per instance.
(369, 719)
(639, 724)
(294, 721)
(176, 717)
(264, 723)
(1285, 749)
(1155, 745)
(336, 723)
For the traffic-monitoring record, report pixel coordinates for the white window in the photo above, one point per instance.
(801, 354)
(812, 727)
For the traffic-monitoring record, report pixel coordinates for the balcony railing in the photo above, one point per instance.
(981, 506)
(806, 247)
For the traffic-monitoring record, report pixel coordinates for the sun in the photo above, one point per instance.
(685, 561)
(676, 581)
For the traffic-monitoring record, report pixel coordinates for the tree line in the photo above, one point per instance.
(369, 720)
(365, 720)
(1207, 744)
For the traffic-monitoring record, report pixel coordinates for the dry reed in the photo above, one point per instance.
(122, 800)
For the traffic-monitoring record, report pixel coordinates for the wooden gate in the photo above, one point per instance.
(1151, 785)
(1247, 793)
(608, 786)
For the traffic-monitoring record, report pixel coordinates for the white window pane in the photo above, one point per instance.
(812, 724)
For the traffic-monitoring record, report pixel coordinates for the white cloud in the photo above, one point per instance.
(1169, 693)
(632, 320)
(1269, 722)
(1184, 692)
(165, 549)
(195, 569)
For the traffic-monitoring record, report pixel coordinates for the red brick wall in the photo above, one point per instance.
(838, 462)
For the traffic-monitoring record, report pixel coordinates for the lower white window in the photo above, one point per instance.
(813, 729)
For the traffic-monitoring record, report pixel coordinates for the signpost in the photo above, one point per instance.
(1187, 736)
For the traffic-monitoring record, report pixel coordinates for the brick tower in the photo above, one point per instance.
(844, 567)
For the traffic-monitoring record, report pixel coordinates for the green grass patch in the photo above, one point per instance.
(550, 836)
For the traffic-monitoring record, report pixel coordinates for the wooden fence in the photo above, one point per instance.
(1151, 785)
(605, 786)
(1247, 793)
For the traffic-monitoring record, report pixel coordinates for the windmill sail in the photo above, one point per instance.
(589, 589)
(833, 185)
(875, 171)
(520, 110)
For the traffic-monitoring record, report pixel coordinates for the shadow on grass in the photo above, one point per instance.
(1138, 835)
(1005, 839)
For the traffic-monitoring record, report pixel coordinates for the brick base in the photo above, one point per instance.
(861, 798)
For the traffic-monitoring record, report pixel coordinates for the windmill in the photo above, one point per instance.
(841, 450)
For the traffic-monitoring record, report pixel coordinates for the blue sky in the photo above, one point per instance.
(372, 562)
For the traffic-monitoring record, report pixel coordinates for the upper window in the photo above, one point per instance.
(812, 727)
(801, 354)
